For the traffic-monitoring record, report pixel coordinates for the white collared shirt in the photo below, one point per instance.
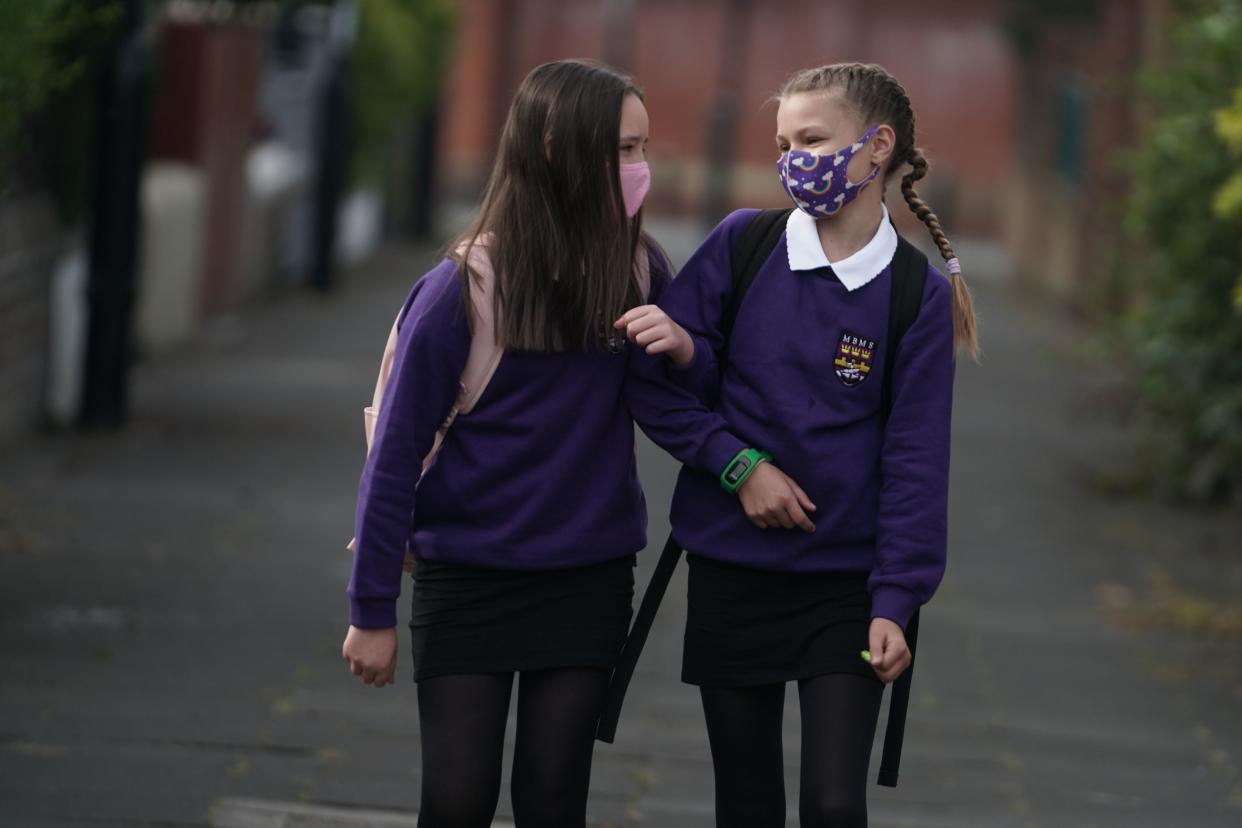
(806, 252)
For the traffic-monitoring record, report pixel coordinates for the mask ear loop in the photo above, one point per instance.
(875, 168)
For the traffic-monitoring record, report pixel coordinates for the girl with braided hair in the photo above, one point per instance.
(835, 449)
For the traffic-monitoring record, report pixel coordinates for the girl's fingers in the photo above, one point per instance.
(886, 667)
(781, 518)
(899, 655)
(803, 500)
(660, 346)
(798, 518)
(642, 323)
(628, 317)
(633, 314)
(889, 655)
(877, 649)
(897, 666)
(645, 335)
(644, 328)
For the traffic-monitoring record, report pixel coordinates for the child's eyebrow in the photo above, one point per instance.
(632, 138)
(818, 129)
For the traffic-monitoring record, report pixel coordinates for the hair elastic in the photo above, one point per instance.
(954, 266)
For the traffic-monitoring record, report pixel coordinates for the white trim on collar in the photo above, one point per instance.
(806, 252)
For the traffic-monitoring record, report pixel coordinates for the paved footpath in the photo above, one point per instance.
(172, 606)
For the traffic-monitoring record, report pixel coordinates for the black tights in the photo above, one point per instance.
(839, 713)
(462, 722)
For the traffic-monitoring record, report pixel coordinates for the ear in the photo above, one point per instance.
(882, 145)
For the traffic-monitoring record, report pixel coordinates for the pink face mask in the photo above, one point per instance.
(635, 182)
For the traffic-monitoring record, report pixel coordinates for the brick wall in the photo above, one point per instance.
(30, 240)
(952, 58)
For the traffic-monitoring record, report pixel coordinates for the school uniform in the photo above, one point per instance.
(803, 381)
(526, 523)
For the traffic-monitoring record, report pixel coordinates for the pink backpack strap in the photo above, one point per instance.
(481, 363)
(485, 353)
(371, 412)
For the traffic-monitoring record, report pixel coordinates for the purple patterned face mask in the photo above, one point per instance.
(817, 183)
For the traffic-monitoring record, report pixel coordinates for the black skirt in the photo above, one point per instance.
(473, 620)
(748, 627)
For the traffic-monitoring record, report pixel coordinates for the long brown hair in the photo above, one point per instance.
(878, 98)
(552, 218)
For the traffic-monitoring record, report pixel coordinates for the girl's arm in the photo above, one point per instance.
(675, 417)
(432, 347)
(679, 421)
(912, 525)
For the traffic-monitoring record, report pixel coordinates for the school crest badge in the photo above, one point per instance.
(855, 356)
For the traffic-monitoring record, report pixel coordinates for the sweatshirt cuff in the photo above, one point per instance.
(697, 363)
(894, 603)
(372, 613)
(700, 375)
(719, 451)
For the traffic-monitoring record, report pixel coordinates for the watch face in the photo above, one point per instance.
(739, 469)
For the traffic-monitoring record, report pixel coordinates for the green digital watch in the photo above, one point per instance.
(741, 467)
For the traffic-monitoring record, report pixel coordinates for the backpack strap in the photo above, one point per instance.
(748, 255)
(485, 351)
(909, 277)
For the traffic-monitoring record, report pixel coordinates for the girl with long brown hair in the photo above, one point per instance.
(525, 525)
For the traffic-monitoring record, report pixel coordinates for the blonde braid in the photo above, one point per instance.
(964, 333)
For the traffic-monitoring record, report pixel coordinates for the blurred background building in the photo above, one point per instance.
(168, 161)
(165, 163)
(709, 70)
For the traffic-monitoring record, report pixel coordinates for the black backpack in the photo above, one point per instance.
(750, 252)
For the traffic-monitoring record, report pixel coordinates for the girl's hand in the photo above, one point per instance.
(771, 498)
(371, 654)
(889, 654)
(652, 328)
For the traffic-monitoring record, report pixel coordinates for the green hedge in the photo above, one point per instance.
(398, 62)
(1186, 219)
(45, 61)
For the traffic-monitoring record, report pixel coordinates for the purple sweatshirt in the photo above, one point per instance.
(881, 492)
(541, 474)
